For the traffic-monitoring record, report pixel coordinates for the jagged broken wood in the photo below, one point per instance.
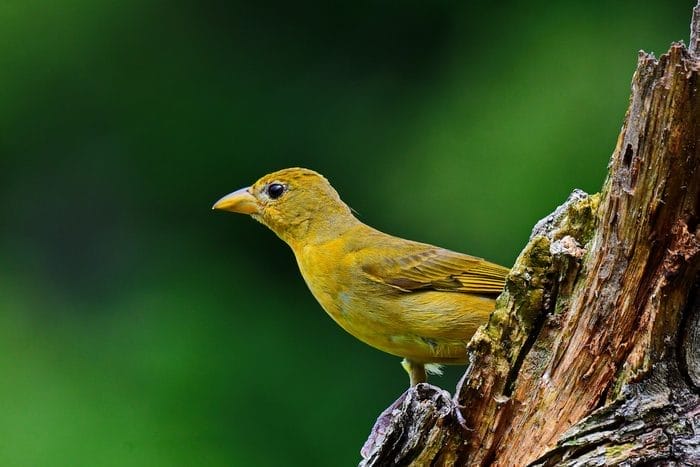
(592, 356)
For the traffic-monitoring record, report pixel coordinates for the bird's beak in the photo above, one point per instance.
(240, 201)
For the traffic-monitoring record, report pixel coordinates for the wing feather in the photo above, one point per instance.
(433, 268)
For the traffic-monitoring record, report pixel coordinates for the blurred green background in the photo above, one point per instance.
(138, 327)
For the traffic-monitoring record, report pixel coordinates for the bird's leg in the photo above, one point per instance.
(416, 371)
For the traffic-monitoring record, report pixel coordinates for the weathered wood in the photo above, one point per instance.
(654, 422)
(592, 356)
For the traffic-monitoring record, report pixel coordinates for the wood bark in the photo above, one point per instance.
(592, 356)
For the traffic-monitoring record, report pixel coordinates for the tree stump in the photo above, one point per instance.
(592, 356)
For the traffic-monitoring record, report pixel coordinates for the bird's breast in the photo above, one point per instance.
(341, 289)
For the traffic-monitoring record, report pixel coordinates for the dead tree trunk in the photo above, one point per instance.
(592, 356)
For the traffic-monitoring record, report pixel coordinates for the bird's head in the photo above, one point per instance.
(297, 204)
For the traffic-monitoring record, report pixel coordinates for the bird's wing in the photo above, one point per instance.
(437, 269)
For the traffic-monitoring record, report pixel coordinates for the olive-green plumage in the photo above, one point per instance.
(409, 299)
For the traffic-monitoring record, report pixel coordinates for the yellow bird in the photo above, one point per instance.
(409, 299)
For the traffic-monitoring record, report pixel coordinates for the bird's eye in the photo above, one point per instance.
(275, 190)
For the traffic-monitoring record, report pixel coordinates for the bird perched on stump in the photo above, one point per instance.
(409, 299)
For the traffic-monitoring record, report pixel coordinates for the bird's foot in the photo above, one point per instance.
(460, 418)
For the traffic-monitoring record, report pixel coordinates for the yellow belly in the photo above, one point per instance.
(426, 326)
